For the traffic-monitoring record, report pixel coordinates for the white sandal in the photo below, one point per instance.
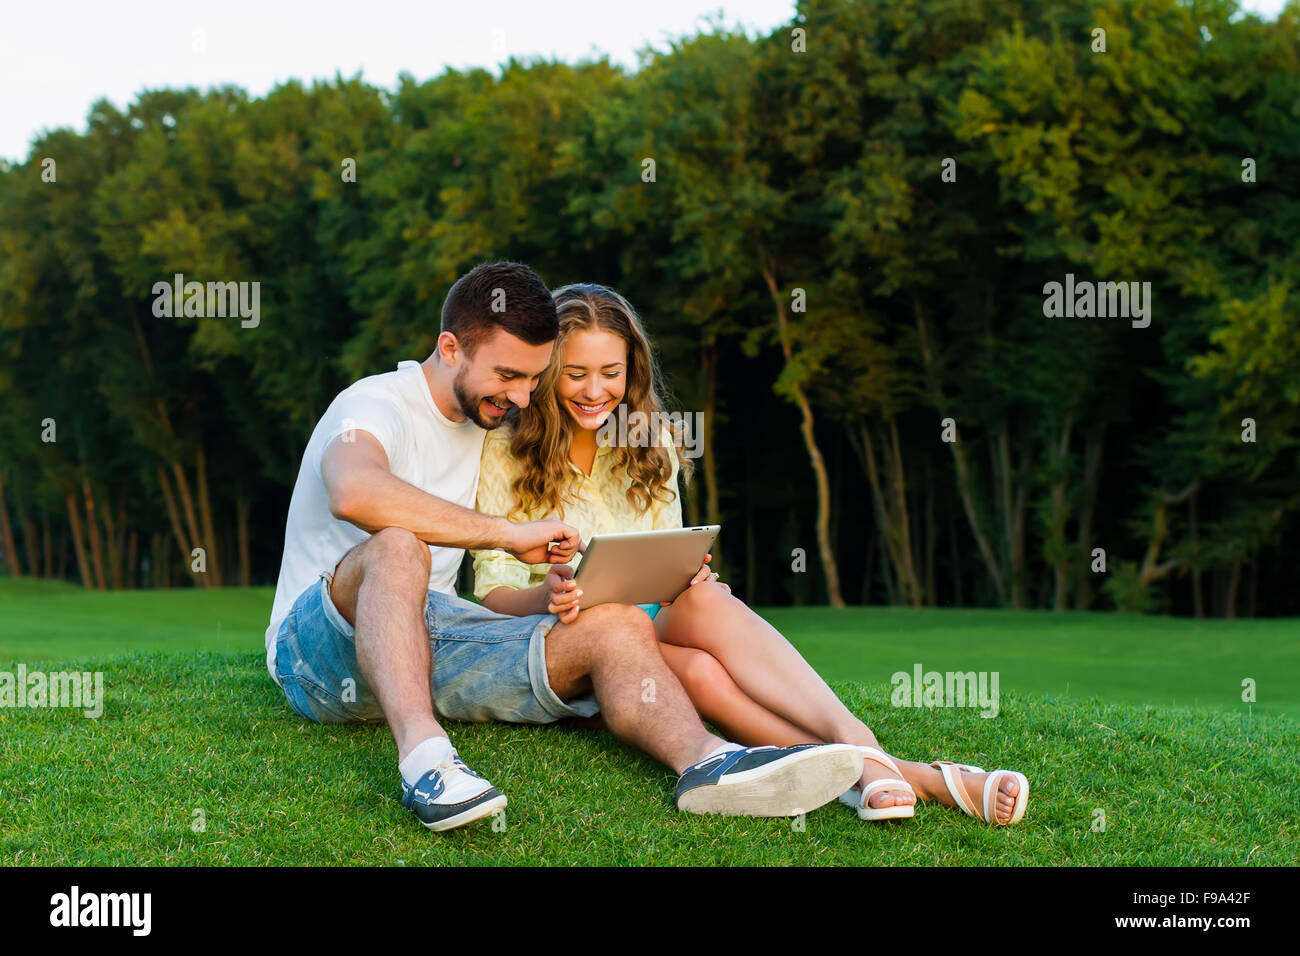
(857, 799)
(949, 769)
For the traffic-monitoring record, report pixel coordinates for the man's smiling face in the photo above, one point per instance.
(502, 372)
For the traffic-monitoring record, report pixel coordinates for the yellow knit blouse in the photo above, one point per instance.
(600, 507)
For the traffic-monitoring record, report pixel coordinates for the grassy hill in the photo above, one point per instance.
(197, 760)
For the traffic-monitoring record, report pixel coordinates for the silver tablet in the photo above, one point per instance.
(642, 567)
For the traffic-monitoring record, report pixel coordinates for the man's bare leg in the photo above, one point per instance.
(613, 649)
(381, 588)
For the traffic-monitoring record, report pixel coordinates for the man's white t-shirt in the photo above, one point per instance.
(424, 448)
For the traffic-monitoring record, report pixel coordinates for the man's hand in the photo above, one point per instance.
(562, 593)
(702, 575)
(531, 542)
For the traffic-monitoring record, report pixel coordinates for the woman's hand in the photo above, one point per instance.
(702, 575)
(561, 593)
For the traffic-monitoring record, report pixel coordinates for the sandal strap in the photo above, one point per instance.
(880, 757)
(885, 783)
(964, 767)
(991, 788)
(951, 777)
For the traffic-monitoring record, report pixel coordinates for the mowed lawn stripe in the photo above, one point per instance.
(1137, 659)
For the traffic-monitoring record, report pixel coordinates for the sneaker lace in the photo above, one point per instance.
(454, 764)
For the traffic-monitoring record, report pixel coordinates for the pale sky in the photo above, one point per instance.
(56, 60)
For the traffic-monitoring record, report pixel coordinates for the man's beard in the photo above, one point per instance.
(469, 404)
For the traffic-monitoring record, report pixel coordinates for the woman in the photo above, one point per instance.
(740, 673)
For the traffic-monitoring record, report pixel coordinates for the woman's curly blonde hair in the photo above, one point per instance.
(542, 433)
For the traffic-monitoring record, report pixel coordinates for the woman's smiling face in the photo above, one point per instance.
(593, 376)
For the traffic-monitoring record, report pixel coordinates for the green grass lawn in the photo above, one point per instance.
(1139, 718)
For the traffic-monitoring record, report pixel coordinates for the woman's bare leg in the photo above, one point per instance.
(760, 659)
(774, 676)
(722, 703)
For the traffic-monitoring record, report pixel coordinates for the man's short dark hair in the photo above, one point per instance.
(500, 295)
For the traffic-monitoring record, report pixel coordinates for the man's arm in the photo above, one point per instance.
(362, 490)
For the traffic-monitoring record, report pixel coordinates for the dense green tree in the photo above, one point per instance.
(841, 236)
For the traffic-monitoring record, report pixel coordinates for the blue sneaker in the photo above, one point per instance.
(769, 781)
(451, 795)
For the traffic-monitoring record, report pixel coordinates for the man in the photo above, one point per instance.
(366, 624)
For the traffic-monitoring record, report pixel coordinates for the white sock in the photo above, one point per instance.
(426, 755)
(724, 749)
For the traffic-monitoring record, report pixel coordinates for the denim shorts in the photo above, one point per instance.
(486, 666)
